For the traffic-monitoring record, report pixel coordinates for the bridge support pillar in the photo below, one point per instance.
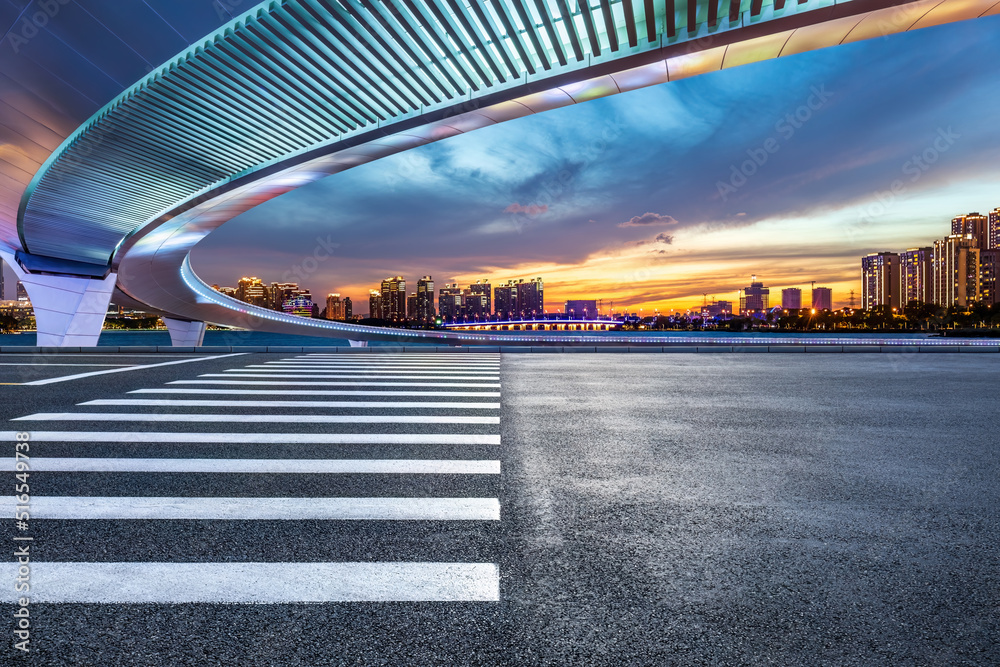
(358, 343)
(184, 333)
(69, 310)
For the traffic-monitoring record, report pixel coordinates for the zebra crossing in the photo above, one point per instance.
(314, 442)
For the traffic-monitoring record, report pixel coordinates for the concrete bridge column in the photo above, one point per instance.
(69, 310)
(184, 333)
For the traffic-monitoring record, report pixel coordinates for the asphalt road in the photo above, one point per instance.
(682, 509)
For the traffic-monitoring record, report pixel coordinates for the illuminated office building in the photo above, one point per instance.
(916, 275)
(394, 299)
(334, 307)
(956, 270)
(581, 309)
(988, 260)
(530, 298)
(791, 298)
(822, 298)
(483, 288)
(973, 225)
(252, 290)
(755, 297)
(424, 302)
(375, 304)
(299, 305)
(994, 225)
(451, 302)
(505, 300)
(880, 280)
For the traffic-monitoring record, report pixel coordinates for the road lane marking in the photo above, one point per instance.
(315, 392)
(44, 364)
(263, 466)
(467, 385)
(126, 417)
(358, 371)
(257, 583)
(380, 367)
(260, 438)
(259, 509)
(186, 403)
(67, 378)
(344, 376)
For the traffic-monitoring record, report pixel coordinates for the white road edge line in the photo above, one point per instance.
(67, 378)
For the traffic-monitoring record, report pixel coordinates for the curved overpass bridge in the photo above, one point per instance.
(107, 183)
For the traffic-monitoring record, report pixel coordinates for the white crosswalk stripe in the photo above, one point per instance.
(262, 438)
(297, 466)
(318, 392)
(259, 583)
(258, 383)
(130, 507)
(344, 376)
(186, 403)
(210, 448)
(277, 419)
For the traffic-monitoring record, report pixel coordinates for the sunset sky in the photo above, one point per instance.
(632, 199)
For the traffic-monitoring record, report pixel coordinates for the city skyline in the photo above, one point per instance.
(634, 192)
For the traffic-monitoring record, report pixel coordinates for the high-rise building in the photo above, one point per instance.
(451, 302)
(720, 309)
(581, 309)
(956, 270)
(880, 280)
(530, 298)
(282, 292)
(252, 290)
(424, 307)
(394, 299)
(411, 306)
(477, 305)
(22, 293)
(505, 300)
(2, 295)
(994, 224)
(299, 305)
(375, 304)
(348, 308)
(483, 287)
(916, 275)
(334, 307)
(989, 264)
(755, 297)
(822, 298)
(974, 225)
(791, 298)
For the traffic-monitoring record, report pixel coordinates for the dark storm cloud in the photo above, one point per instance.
(800, 136)
(647, 219)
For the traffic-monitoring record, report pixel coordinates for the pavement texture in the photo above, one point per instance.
(677, 509)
